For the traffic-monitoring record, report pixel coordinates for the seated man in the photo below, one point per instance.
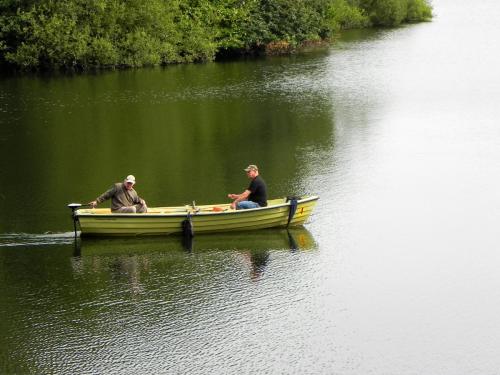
(124, 198)
(256, 194)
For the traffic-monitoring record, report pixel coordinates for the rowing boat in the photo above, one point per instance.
(281, 212)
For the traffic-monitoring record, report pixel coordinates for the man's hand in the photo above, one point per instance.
(93, 204)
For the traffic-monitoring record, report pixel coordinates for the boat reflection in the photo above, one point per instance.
(294, 239)
(132, 259)
(257, 261)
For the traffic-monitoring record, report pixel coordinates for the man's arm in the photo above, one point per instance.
(239, 197)
(104, 196)
(139, 200)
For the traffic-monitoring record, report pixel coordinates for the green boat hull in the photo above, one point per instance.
(204, 219)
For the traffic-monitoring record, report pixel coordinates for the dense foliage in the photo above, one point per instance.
(81, 34)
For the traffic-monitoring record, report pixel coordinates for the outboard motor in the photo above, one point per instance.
(74, 207)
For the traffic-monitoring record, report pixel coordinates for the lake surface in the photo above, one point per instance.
(397, 271)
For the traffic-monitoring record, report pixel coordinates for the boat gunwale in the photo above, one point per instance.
(193, 213)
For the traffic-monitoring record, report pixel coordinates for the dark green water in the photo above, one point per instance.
(86, 309)
(186, 132)
(395, 273)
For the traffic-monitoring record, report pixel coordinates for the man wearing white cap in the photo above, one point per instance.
(255, 195)
(124, 198)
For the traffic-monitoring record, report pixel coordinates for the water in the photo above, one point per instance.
(396, 272)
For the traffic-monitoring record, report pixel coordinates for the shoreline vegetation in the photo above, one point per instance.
(80, 35)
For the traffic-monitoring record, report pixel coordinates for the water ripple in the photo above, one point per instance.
(36, 239)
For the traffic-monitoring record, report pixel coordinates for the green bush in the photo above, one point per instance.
(343, 15)
(394, 12)
(388, 12)
(418, 10)
(81, 34)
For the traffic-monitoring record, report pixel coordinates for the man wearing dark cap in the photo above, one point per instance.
(256, 194)
(124, 198)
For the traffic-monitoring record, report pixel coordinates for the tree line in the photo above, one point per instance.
(86, 34)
